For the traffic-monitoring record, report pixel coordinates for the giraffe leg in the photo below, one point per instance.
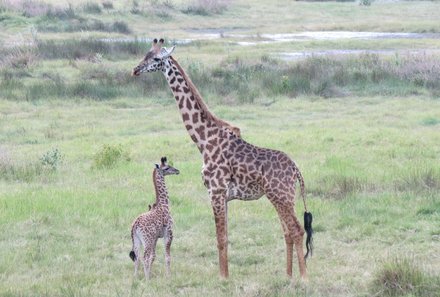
(293, 234)
(149, 256)
(136, 248)
(297, 233)
(146, 262)
(219, 207)
(287, 238)
(289, 253)
(151, 259)
(136, 262)
(168, 239)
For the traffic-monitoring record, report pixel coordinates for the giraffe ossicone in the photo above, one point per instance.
(154, 224)
(233, 168)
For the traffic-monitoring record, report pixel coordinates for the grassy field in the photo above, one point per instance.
(371, 167)
(79, 138)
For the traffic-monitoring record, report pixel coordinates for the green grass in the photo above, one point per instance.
(67, 233)
(79, 138)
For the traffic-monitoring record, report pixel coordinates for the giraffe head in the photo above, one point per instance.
(166, 169)
(154, 59)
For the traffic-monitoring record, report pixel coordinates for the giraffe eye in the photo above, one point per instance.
(156, 59)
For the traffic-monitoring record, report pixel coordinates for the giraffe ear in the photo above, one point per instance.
(157, 166)
(165, 53)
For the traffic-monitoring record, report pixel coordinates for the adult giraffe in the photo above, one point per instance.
(233, 168)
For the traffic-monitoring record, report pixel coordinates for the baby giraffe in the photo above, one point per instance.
(154, 224)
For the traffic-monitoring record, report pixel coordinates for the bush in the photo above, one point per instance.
(365, 2)
(109, 155)
(51, 159)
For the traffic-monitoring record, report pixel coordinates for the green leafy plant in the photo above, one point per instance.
(109, 155)
(51, 159)
(365, 2)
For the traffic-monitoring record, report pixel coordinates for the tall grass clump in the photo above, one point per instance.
(81, 24)
(419, 179)
(233, 80)
(78, 49)
(328, 76)
(18, 58)
(110, 155)
(25, 7)
(62, 13)
(91, 7)
(107, 5)
(402, 277)
(31, 9)
(93, 82)
(206, 7)
(27, 171)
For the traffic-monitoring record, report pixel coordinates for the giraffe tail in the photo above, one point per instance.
(308, 218)
(309, 231)
(132, 253)
(133, 256)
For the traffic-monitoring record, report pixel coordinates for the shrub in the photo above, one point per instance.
(109, 155)
(400, 277)
(430, 121)
(365, 2)
(51, 159)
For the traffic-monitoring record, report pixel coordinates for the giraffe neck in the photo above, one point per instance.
(160, 189)
(198, 120)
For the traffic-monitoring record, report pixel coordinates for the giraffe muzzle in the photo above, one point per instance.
(135, 72)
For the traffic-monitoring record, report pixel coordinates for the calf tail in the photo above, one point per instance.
(133, 256)
(132, 253)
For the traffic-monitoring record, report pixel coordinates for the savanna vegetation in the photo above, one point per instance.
(79, 138)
